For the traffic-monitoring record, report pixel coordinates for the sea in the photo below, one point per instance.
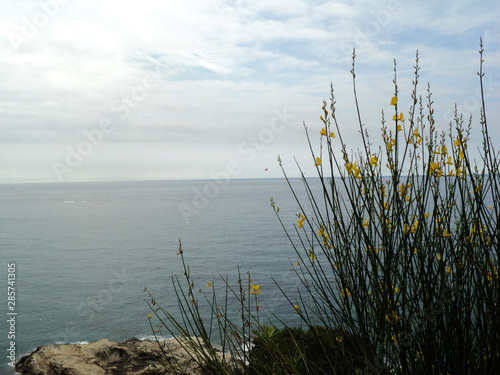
(78, 256)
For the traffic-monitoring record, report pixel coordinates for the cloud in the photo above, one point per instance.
(201, 77)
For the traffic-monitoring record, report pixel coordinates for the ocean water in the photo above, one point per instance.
(84, 252)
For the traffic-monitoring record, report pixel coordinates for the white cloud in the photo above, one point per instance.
(204, 76)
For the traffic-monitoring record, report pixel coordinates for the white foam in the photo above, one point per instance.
(71, 343)
(152, 337)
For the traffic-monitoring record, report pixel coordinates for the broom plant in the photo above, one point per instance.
(401, 245)
(397, 257)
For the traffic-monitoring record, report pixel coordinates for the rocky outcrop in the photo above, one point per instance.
(106, 357)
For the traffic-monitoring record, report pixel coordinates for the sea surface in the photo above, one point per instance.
(84, 252)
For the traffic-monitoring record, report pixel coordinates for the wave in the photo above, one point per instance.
(153, 338)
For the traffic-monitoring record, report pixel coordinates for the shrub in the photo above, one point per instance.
(315, 351)
(398, 256)
(401, 245)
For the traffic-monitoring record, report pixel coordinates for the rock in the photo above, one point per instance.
(106, 357)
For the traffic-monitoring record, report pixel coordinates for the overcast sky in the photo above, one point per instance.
(115, 90)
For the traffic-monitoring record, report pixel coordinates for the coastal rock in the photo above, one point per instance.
(106, 357)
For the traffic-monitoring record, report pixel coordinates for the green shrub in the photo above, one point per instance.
(401, 245)
(315, 351)
(399, 248)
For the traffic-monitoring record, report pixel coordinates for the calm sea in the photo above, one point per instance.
(84, 252)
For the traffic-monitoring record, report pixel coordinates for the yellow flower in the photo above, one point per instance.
(414, 227)
(394, 101)
(346, 292)
(209, 284)
(365, 224)
(388, 145)
(439, 256)
(406, 228)
(296, 307)
(300, 222)
(332, 135)
(458, 142)
(311, 255)
(417, 141)
(420, 356)
(403, 190)
(321, 231)
(446, 233)
(400, 117)
(435, 168)
(399, 128)
(353, 170)
(374, 160)
(255, 289)
(393, 318)
(150, 316)
(323, 131)
(318, 161)
(492, 276)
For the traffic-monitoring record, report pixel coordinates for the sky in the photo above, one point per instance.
(158, 90)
